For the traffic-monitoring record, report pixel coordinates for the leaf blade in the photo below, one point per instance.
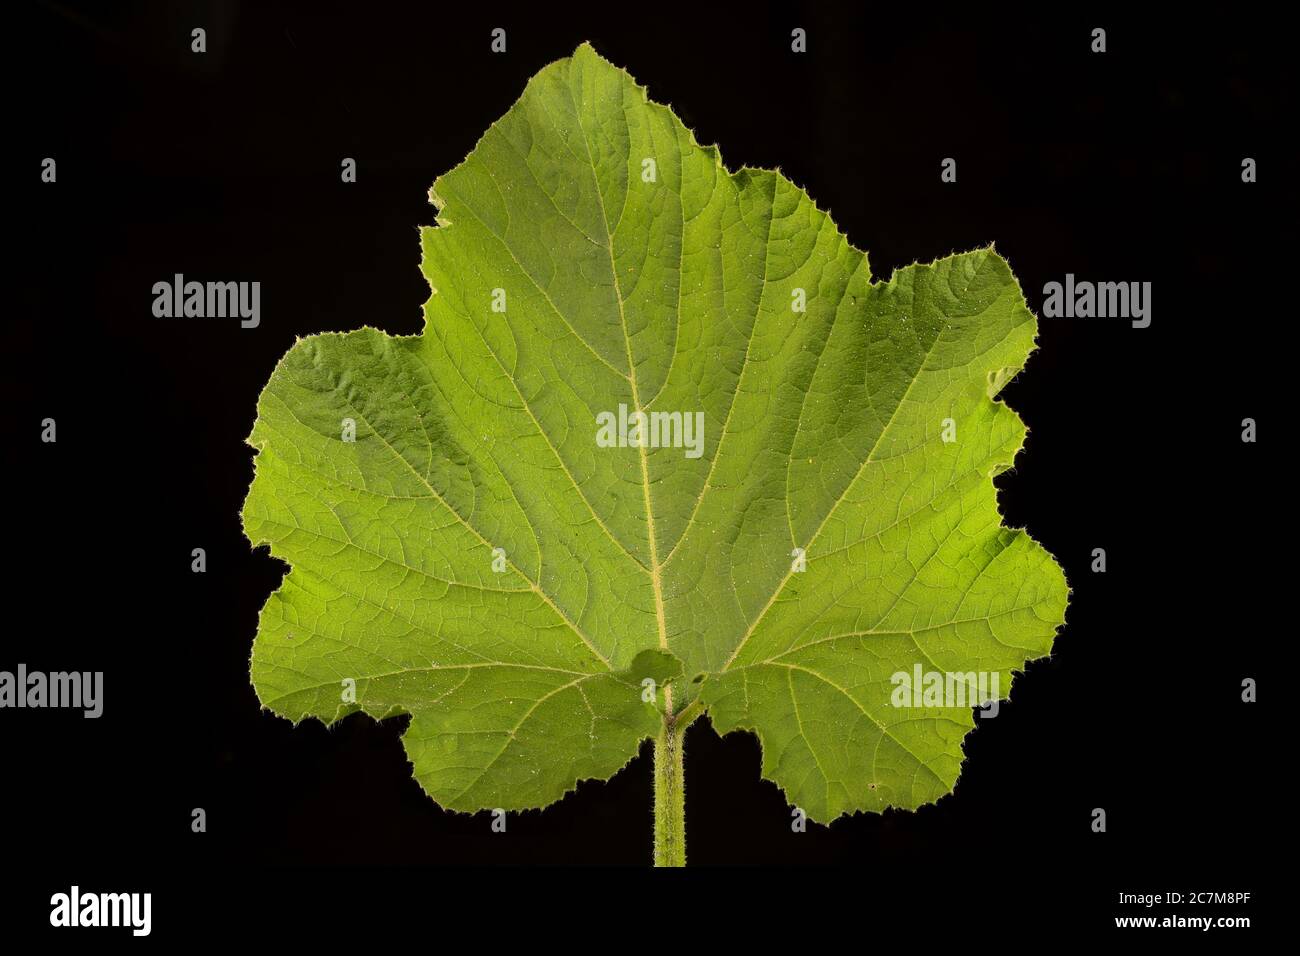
(669, 293)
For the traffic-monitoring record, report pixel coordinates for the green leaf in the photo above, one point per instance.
(473, 557)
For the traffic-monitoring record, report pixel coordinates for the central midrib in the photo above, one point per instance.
(655, 579)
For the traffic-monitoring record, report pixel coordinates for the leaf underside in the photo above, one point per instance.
(823, 431)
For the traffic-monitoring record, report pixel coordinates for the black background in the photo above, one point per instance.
(1124, 166)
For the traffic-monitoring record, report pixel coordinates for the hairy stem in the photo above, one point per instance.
(670, 795)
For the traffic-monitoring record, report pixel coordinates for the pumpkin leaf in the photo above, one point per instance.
(663, 448)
